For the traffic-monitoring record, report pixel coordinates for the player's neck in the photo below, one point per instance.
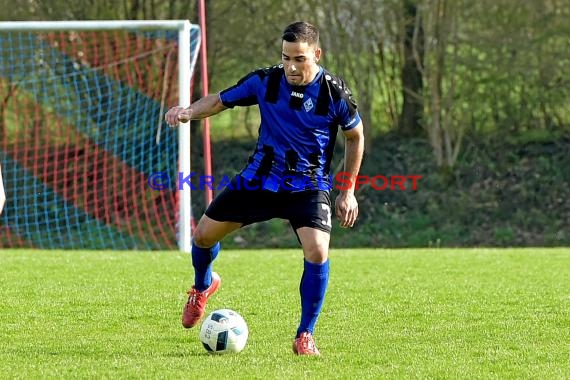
(316, 71)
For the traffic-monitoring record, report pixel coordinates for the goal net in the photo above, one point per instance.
(81, 133)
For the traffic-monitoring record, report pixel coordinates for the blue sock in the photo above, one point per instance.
(313, 288)
(202, 259)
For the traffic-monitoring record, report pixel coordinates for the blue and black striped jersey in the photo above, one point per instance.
(298, 127)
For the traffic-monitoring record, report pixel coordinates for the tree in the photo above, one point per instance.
(411, 115)
(439, 67)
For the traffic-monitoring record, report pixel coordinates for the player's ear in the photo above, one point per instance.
(317, 54)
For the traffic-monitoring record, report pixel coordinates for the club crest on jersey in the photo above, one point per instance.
(297, 94)
(308, 105)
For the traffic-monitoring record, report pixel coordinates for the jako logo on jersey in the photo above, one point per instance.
(297, 94)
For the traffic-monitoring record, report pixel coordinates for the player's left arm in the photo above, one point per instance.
(346, 206)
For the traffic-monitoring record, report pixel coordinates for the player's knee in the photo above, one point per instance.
(202, 239)
(316, 252)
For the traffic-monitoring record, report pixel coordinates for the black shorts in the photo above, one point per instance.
(310, 208)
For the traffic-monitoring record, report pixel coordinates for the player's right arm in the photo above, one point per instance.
(244, 93)
(207, 106)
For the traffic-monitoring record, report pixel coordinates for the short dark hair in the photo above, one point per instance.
(301, 31)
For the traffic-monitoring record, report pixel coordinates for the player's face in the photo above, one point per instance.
(300, 62)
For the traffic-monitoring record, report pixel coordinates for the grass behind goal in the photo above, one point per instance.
(464, 313)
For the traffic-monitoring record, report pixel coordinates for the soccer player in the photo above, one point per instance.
(302, 106)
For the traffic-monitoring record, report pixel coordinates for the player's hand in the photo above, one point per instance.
(346, 208)
(177, 115)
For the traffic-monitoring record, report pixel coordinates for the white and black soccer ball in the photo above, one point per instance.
(224, 331)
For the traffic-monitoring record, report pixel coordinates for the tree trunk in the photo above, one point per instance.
(412, 80)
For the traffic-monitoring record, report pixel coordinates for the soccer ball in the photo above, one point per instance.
(224, 331)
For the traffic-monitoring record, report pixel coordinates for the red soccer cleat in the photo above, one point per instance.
(305, 345)
(196, 305)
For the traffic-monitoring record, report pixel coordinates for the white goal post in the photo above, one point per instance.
(186, 64)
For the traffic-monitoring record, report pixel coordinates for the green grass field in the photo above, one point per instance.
(395, 314)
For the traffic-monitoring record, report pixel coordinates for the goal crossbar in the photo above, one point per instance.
(96, 25)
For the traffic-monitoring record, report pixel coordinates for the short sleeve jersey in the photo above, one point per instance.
(298, 127)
